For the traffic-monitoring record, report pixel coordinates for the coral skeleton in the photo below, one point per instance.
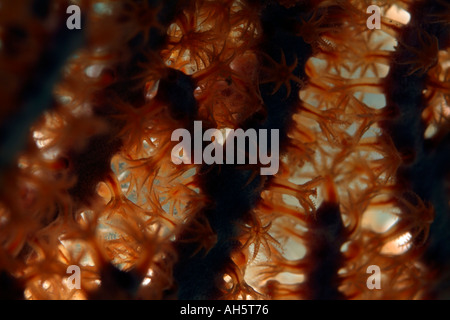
(86, 171)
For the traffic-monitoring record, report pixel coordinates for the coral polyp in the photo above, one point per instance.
(88, 181)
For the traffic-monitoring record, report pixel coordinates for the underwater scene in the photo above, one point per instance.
(225, 150)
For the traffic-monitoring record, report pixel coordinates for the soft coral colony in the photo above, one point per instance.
(87, 178)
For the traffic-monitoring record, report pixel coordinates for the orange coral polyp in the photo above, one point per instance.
(94, 185)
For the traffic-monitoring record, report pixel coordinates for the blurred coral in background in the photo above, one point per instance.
(86, 117)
